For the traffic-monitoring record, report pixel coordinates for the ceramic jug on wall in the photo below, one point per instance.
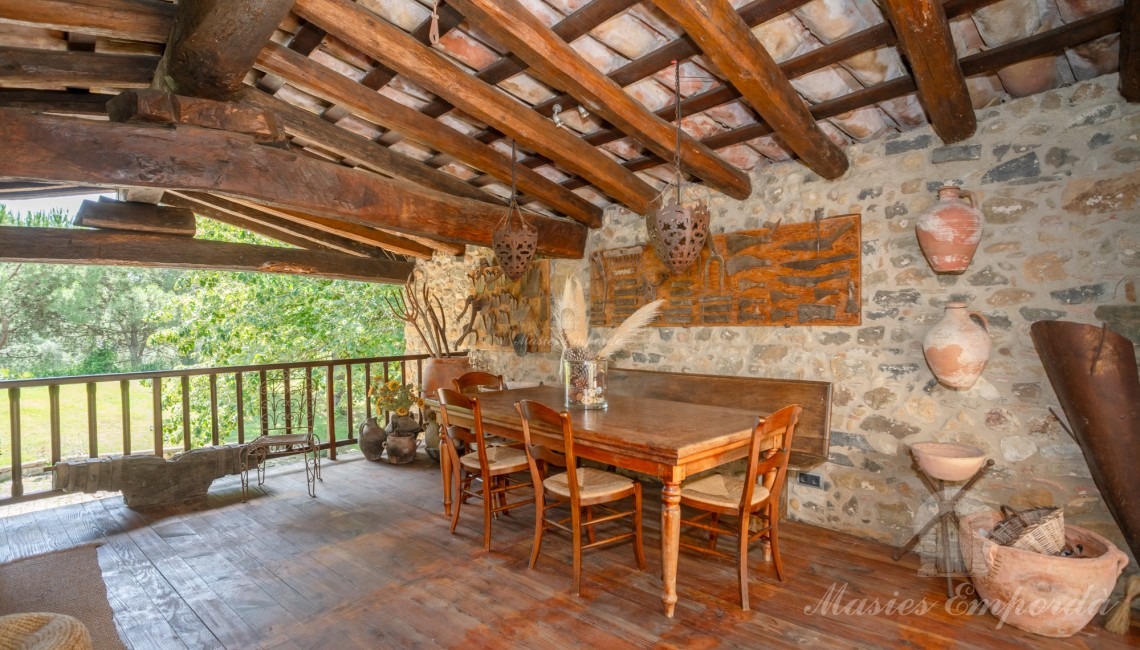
(958, 346)
(950, 231)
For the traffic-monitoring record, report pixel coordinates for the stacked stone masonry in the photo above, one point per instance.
(1058, 178)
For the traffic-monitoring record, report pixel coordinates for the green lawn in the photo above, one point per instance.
(35, 428)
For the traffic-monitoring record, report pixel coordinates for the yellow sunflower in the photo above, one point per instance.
(402, 411)
(394, 384)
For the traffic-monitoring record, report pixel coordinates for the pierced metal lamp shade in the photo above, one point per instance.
(515, 244)
(678, 234)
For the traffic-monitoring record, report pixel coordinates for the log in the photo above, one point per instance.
(135, 217)
(55, 101)
(46, 68)
(109, 248)
(42, 147)
(1130, 51)
(161, 107)
(129, 20)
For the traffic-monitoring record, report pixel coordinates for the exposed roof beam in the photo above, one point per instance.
(263, 223)
(132, 20)
(39, 68)
(925, 40)
(113, 214)
(14, 190)
(331, 86)
(1130, 51)
(1050, 42)
(726, 40)
(109, 248)
(376, 38)
(55, 101)
(42, 147)
(300, 123)
(213, 44)
(514, 25)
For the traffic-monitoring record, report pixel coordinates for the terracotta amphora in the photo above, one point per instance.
(958, 346)
(950, 231)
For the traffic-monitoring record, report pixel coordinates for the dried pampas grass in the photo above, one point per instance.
(571, 330)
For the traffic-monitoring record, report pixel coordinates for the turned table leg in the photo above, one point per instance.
(670, 541)
(445, 470)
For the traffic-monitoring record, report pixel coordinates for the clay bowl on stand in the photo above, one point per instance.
(948, 461)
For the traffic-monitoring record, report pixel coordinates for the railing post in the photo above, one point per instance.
(240, 407)
(185, 412)
(263, 397)
(92, 422)
(348, 398)
(214, 408)
(330, 403)
(125, 403)
(309, 399)
(286, 376)
(53, 415)
(156, 405)
(367, 392)
(17, 460)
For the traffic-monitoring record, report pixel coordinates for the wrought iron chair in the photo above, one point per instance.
(287, 430)
(491, 466)
(743, 497)
(583, 488)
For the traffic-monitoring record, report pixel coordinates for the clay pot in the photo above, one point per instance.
(401, 448)
(948, 461)
(439, 371)
(371, 439)
(957, 348)
(1043, 594)
(950, 231)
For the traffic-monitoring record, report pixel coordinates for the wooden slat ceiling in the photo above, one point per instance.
(362, 84)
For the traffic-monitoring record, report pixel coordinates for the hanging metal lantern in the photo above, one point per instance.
(514, 245)
(678, 232)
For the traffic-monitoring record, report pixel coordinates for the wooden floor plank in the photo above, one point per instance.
(369, 563)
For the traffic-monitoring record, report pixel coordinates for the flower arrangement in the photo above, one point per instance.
(394, 396)
(571, 330)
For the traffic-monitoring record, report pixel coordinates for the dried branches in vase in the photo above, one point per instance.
(584, 357)
(424, 311)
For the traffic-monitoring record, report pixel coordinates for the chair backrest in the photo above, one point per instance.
(453, 399)
(540, 455)
(478, 381)
(770, 450)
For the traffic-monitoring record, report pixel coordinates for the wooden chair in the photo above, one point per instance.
(741, 497)
(490, 466)
(478, 381)
(581, 489)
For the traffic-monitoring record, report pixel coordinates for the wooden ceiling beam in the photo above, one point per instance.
(39, 68)
(727, 41)
(267, 225)
(1130, 51)
(513, 24)
(55, 101)
(301, 123)
(109, 248)
(131, 20)
(1050, 42)
(435, 72)
(15, 190)
(113, 214)
(314, 78)
(924, 38)
(213, 44)
(42, 148)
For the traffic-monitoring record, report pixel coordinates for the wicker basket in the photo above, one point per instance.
(1041, 530)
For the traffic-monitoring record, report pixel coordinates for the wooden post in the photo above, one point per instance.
(348, 398)
(262, 396)
(214, 407)
(53, 415)
(286, 375)
(309, 399)
(17, 461)
(367, 394)
(240, 393)
(92, 422)
(156, 403)
(330, 404)
(186, 413)
(125, 403)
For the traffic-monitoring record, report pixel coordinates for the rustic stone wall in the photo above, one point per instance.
(1057, 177)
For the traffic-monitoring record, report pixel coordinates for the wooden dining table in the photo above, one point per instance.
(668, 439)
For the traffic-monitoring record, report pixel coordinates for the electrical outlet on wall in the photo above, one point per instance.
(810, 480)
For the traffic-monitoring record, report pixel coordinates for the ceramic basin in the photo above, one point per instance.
(948, 461)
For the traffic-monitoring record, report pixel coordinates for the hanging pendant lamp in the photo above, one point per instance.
(514, 244)
(678, 233)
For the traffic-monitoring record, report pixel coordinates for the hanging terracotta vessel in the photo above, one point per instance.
(678, 233)
(950, 231)
(958, 346)
(514, 246)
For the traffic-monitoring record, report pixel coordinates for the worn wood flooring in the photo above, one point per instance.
(369, 564)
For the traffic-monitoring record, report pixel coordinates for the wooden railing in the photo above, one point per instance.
(220, 416)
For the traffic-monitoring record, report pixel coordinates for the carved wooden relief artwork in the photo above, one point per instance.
(782, 274)
(511, 314)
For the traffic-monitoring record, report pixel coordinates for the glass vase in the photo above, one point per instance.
(585, 383)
